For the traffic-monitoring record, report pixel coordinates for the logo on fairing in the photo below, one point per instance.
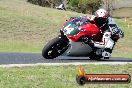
(71, 29)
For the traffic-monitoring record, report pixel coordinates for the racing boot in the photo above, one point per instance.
(107, 53)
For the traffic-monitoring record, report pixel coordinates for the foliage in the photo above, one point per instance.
(46, 3)
(83, 6)
(91, 5)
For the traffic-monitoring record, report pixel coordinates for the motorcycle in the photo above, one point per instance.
(75, 39)
(61, 7)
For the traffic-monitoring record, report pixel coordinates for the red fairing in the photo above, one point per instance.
(89, 30)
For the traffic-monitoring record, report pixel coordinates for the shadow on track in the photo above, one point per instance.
(112, 59)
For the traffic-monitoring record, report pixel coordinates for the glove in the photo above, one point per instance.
(92, 17)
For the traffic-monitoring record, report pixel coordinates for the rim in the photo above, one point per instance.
(56, 50)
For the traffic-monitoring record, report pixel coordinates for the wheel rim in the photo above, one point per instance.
(56, 50)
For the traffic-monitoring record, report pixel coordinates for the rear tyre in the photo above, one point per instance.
(54, 48)
(95, 57)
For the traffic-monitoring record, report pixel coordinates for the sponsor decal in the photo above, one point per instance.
(83, 78)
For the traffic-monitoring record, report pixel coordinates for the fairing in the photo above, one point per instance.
(76, 28)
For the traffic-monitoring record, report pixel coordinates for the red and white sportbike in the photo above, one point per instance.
(76, 39)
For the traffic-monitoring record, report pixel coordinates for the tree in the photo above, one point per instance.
(73, 5)
(83, 6)
(110, 5)
(91, 5)
(46, 3)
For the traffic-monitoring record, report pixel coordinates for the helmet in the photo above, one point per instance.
(102, 13)
(101, 17)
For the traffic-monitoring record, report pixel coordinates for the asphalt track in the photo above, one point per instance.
(33, 58)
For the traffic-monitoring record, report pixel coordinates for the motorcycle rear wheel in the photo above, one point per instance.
(95, 57)
(54, 48)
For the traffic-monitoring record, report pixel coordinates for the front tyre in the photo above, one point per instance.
(54, 48)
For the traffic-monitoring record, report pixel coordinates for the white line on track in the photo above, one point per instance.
(59, 64)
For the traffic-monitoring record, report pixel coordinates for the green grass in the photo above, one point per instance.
(123, 47)
(16, 46)
(58, 76)
(25, 27)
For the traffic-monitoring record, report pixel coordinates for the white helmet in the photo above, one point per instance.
(102, 13)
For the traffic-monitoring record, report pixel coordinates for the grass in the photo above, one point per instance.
(25, 27)
(16, 46)
(58, 76)
(123, 47)
(122, 12)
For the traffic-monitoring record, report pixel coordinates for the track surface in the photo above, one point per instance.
(33, 58)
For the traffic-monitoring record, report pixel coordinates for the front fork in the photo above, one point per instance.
(63, 37)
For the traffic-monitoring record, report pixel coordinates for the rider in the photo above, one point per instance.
(111, 32)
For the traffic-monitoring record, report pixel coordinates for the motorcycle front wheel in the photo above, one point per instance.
(54, 48)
